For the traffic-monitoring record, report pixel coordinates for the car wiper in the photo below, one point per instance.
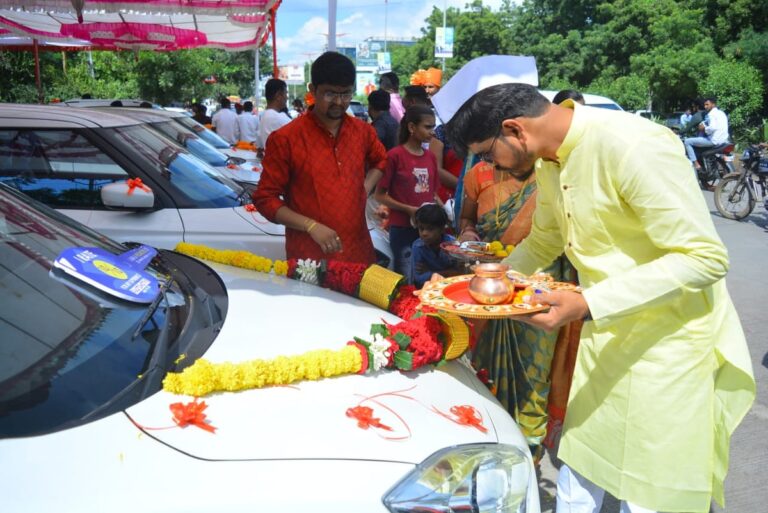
(153, 306)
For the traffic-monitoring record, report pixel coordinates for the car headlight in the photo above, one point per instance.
(476, 478)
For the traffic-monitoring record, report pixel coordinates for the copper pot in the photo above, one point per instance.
(490, 285)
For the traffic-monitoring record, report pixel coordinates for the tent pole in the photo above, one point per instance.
(39, 86)
(275, 70)
(256, 77)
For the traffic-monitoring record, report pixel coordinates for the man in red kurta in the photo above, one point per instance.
(314, 179)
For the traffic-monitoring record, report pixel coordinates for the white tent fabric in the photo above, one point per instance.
(480, 73)
(148, 25)
(219, 7)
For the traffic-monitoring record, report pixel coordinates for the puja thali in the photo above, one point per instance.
(452, 295)
(470, 251)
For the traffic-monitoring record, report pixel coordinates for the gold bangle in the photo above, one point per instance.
(311, 225)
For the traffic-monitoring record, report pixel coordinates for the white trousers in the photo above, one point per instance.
(576, 494)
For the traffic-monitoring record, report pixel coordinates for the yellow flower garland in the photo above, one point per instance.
(204, 377)
(244, 259)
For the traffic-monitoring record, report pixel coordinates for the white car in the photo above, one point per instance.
(181, 118)
(246, 173)
(592, 100)
(83, 416)
(79, 161)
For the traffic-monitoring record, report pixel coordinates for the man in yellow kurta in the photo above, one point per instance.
(663, 374)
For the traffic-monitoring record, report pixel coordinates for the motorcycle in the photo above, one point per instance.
(716, 162)
(737, 193)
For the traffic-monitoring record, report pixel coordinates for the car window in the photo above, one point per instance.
(191, 182)
(208, 136)
(609, 106)
(61, 168)
(190, 141)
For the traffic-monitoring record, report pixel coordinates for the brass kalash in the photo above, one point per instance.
(490, 284)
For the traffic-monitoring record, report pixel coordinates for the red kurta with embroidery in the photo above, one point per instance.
(322, 177)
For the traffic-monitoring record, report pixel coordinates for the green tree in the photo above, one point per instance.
(739, 93)
(17, 77)
(631, 92)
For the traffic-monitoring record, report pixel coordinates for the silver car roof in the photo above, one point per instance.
(144, 115)
(51, 116)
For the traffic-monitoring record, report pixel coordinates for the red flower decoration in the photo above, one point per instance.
(292, 264)
(343, 277)
(425, 346)
(405, 304)
(191, 414)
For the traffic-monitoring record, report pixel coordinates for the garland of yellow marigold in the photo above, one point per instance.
(234, 258)
(205, 377)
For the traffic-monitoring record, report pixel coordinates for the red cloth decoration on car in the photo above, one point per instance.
(136, 183)
(365, 418)
(191, 414)
(466, 416)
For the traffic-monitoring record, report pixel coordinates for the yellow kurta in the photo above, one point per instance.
(663, 374)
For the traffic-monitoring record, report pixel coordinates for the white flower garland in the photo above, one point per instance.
(380, 350)
(308, 271)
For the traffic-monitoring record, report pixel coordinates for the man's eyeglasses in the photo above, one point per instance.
(487, 156)
(346, 96)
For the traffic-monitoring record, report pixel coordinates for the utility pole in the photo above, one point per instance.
(331, 25)
(445, 9)
(385, 26)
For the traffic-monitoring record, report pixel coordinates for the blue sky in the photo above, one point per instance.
(302, 24)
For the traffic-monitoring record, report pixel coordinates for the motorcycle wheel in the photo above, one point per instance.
(709, 174)
(733, 198)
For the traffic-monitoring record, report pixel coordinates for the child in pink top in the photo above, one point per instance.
(410, 180)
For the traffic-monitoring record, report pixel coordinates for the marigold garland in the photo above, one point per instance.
(204, 377)
(244, 259)
(420, 340)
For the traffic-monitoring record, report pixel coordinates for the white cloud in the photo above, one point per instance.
(404, 20)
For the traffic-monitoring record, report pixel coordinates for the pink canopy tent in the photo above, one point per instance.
(160, 25)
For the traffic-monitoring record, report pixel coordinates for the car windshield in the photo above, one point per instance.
(206, 135)
(199, 148)
(196, 184)
(95, 353)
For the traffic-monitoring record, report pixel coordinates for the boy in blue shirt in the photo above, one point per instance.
(427, 257)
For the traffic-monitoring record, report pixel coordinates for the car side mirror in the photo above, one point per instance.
(129, 194)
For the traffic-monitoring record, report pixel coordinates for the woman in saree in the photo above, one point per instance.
(516, 356)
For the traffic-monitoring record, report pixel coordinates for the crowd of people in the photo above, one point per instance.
(639, 380)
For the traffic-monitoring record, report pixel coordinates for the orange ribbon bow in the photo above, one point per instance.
(468, 416)
(136, 183)
(250, 207)
(191, 414)
(365, 418)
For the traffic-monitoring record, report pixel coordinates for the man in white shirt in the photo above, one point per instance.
(248, 124)
(715, 126)
(225, 122)
(273, 117)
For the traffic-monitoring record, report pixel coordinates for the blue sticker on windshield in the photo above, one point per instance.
(122, 276)
(138, 257)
